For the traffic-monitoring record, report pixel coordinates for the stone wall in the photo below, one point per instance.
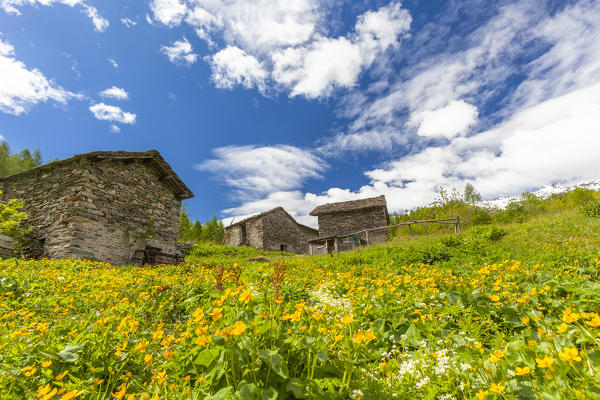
(280, 230)
(270, 231)
(100, 210)
(354, 221)
(254, 234)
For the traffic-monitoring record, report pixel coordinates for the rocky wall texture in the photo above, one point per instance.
(280, 230)
(102, 209)
(354, 221)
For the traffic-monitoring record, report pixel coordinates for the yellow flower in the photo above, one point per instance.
(500, 353)
(98, 381)
(70, 395)
(338, 337)
(216, 314)
(545, 362)
(522, 371)
(369, 335)
(238, 328)
(347, 319)
(494, 297)
(245, 296)
(525, 320)
(358, 337)
(49, 395)
(497, 387)
(569, 316)
(121, 392)
(60, 376)
(43, 390)
(532, 342)
(594, 322)
(494, 359)
(29, 371)
(562, 328)
(202, 340)
(46, 364)
(148, 358)
(481, 394)
(198, 315)
(478, 345)
(569, 353)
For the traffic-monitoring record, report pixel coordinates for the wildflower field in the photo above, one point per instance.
(509, 312)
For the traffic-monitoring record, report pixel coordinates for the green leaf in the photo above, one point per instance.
(206, 357)
(298, 388)
(322, 356)
(248, 391)
(71, 353)
(270, 394)
(221, 394)
(274, 361)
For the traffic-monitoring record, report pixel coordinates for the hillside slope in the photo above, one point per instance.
(505, 311)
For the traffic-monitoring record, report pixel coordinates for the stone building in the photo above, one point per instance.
(273, 230)
(349, 224)
(112, 206)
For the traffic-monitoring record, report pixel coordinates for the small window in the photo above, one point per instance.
(283, 247)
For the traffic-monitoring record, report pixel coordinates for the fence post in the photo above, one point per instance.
(410, 230)
(458, 224)
(367, 232)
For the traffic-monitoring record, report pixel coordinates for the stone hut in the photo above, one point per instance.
(349, 224)
(273, 230)
(113, 206)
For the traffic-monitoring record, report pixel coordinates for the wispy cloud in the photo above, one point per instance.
(112, 113)
(128, 22)
(115, 93)
(22, 87)
(100, 23)
(280, 46)
(180, 52)
(256, 170)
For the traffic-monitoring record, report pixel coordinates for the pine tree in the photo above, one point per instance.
(185, 226)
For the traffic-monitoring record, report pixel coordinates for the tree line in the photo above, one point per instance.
(11, 164)
(195, 231)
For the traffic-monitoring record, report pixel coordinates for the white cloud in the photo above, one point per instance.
(232, 66)
(113, 63)
(99, 22)
(556, 141)
(168, 12)
(115, 93)
(112, 113)
(449, 121)
(13, 7)
(254, 170)
(22, 87)
(180, 52)
(281, 44)
(128, 22)
(115, 129)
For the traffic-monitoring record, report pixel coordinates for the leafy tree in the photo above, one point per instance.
(212, 231)
(14, 163)
(471, 195)
(11, 218)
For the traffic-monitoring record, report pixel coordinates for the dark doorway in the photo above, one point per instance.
(244, 235)
(283, 247)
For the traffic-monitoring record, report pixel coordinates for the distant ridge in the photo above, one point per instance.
(543, 192)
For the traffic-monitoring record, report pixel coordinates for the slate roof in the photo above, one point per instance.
(153, 157)
(353, 205)
(269, 212)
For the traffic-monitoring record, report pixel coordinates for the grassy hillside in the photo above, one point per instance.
(501, 311)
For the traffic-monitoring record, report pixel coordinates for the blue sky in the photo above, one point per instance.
(261, 103)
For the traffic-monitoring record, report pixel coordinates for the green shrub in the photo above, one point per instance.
(591, 209)
(489, 233)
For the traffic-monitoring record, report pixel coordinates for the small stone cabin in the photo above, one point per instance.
(273, 230)
(113, 206)
(346, 225)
